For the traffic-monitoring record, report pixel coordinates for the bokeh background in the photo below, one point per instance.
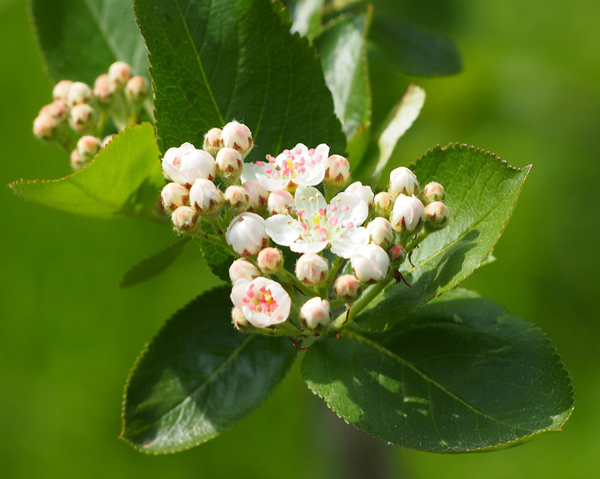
(530, 91)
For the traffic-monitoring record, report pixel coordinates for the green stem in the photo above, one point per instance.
(290, 278)
(324, 289)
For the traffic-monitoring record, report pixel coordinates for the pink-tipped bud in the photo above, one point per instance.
(437, 215)
(237, 198)
(403, 182)
(45, 127)
(364, 192)
(137, 89)
(380, 231)
(206, 198)
(243, 269)
(119, 74)
(186, 164)
(79, 94)
(107, 140)
(229, 165)
(76, 162)
(280, 202)
(337, 171)
(212, 141)
(184, 220)
(408, 214)
(270, 260)
(237, 136)
(58, 110)
(433, 192)
(397, 254)
(247, 234)
(370, 263)
(82, 118)
(174, 195)
(61, 90)
(239, 320)
(311, 269)
(346, 287)
(258, 195)
(315, 312)
(104, 90)
(88, 147)
(383, 204)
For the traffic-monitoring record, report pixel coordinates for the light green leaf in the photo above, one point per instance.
(124, 179)
(306, 16)
(199, 376)
(459, 375)
(481, 191)
(80, 39)
(225, 59)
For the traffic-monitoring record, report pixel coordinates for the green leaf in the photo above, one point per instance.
(217, 257)
(199, 376)
(459, 375)
(215, 61)
(306, 16)
(481, 191)
(343, 53)
(154, 265)
(80, 39)
(124, 179)
(411, 50)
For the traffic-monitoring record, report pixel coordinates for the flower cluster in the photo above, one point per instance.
(80, 117)
(346, 237)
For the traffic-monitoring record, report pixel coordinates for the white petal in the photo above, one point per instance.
(309, 200)
(250, 171)
(283, 229)
(259, 320)
(238, 292)
(302, 246)
(353, 240)
(350, 209)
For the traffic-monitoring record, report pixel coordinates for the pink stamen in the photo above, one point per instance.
(333, 221)
(263, 290)
(315, 227)
(323, 231)
(246, 300)
(311, 152)
(323, 238)
(252, 307)
(322, 212)
(268, 171)
(271, 159)
(304, 226)
(345, 208)
(298, 151)
(260, 163)
(349, 224)
(300, 213)
(333, 208)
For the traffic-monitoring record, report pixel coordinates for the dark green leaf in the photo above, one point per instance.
(481, 192)
(411, 50)
(306, 16)
(154, 265)
(458, 375)
(217, 257)
(199, 377)
(124, 179)
(80, 39)
(215, 61)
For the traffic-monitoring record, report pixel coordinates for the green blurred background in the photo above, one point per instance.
(68, 335)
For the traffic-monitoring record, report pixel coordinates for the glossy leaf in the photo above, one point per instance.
(306, 16)
(460, 374)
(412, 51)
(481, 191)
(215, 61)
(217, 257)
(80, 39)
(154, 265)
(124, 179)
(199, 376)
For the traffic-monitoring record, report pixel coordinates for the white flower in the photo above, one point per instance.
(403, 181)
(380, 231)
(299, 166)
(205, 197)
(311, 269)
(364, 192)
(246, 234)
(320, 225)
(186, 164)
(370, 263)
(408, 214)
(264, 302)
(242, 269)
(315, 312)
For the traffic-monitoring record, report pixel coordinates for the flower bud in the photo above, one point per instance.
(247, 234)
(370, 263)
(280, 202)
(237, 198)
(258, 195)
(380, 231)
(239, 320)
(397, 254)
(88, 147)
(403, 181)
(337, 171)
(364, 192)
(243, 269)
(61, 90)
(119, 74)
(104, 90)
(311, 269)
(346, 287)
(58, 110)
(212, 141)
(206, 198)
(270, 260)
(315, 312)
(82, 118)
(237, 136)
(437, 215)
(408, 214)
(45, 127)
(76, 162)
(137, 89)
(229, 165)
(186, 164)
(79, 94)
(173, 195)
(433, 192)
(383, 204)
(184, 220)
(107, 140)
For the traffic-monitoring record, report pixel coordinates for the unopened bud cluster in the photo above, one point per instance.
(80, 112)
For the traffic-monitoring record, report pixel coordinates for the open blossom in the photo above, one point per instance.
(186, 164)
(319, 225)
(300, 166)
(264, 302)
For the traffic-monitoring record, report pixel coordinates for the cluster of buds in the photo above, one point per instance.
(346, 238)
(78, 117)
